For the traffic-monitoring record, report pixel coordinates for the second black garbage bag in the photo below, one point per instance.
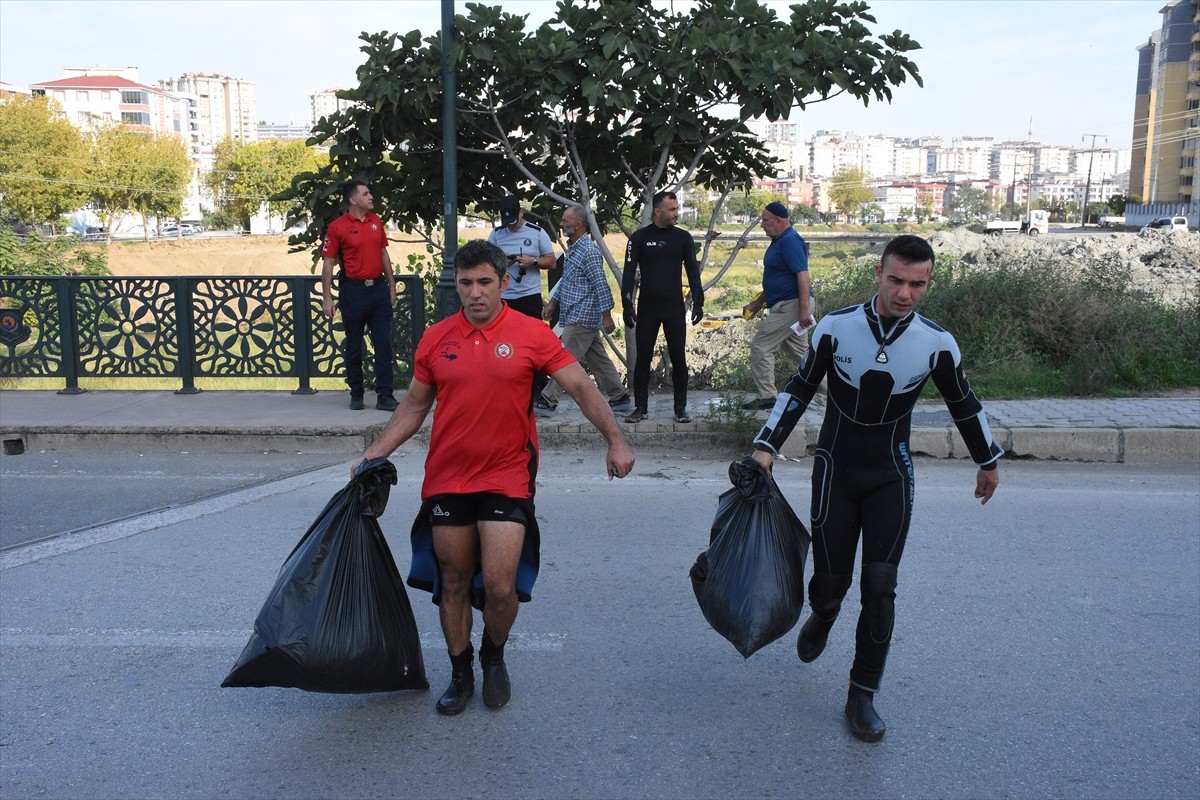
(750, 581)
(338, 618)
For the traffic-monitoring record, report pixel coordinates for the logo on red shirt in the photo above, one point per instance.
(504, 350)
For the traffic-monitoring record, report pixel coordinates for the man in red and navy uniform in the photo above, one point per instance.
(366, 291)
(481, 470)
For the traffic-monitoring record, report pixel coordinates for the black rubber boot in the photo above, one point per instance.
(825, 593)
(462, 683)
(496, 687)
(865, 723)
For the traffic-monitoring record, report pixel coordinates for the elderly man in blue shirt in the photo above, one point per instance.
(787, 293)
(584, 304)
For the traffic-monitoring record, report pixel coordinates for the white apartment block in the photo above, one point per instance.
(1104, 164)
(227, 107)
(286, 131)
(1048, 159)
(831, 151)
(97, 98)
(781, 131)
(965, 163)
(879, 156)
(895, 199)
(792, 158)
(909, 161)
(1012, 162)
(325, 103)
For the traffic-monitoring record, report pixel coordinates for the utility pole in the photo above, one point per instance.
(446, 300)
(1083, 216)
(1029, 175)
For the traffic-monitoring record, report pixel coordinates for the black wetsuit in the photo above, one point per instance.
(863, 475)
(662, 255)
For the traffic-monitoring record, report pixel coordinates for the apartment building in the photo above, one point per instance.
(91, 97)
(325, 103)
(287, 131)
(8, 90)
(227, 108)
(1166, 123)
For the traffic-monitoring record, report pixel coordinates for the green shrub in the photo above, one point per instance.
(35, 255)
(1033, 328)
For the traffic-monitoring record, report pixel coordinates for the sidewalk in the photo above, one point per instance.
(1138, 430)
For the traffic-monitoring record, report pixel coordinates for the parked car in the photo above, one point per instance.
(1166, 224)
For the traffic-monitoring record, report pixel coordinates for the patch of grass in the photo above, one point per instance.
(726, 415)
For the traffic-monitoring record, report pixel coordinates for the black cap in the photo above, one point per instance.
(510, 209)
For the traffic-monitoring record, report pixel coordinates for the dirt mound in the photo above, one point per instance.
(1159, 261)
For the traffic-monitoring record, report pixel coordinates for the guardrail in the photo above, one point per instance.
(184, 327)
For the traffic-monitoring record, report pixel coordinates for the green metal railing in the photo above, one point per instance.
(188, 328)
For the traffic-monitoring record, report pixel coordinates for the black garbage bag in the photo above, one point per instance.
(750, 581)
(338, 619)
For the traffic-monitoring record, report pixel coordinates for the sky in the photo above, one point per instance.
(1065, 69)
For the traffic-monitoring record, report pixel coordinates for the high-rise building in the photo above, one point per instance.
(1166, 124)
(227, 108)
(325, 103)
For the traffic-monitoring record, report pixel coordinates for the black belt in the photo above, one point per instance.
(368, 282)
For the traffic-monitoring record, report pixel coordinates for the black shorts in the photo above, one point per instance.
(467, 509)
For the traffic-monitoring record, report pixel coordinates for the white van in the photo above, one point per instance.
(1166, 224)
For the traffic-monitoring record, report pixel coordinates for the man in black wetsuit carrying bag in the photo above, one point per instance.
(876, 357)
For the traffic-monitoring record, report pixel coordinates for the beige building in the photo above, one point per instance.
(1166, 122)
(227, 108)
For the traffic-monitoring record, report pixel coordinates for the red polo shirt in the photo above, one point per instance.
(484, 436)
(359, 243)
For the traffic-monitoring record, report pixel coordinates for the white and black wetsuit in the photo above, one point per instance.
(863, 475)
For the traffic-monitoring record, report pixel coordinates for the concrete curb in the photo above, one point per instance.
(1099, 445)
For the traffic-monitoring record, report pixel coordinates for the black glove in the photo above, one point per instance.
(630, 318)
(697, 314)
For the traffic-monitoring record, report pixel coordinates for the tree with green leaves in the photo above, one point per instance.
(1116, 204)
(603, 105)
(970, 203)
(43, 161)
(871, 212)
(751, 204)
(167, 170)
(248, 175)
(848, 190)
(137, 173)
(924, 208)
(805, 214)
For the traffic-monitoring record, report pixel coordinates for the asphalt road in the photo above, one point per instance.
(1046, 646)
(47, 493)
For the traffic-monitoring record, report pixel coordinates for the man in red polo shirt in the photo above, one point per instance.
(366, 291)
(481, 470)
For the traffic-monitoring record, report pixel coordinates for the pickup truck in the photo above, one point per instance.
(1110, 221)
(1038, 222)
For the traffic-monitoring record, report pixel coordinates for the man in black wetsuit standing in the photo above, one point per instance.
(662, 252)
(876, 357)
